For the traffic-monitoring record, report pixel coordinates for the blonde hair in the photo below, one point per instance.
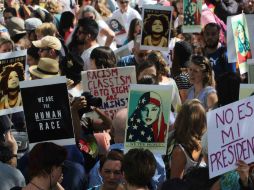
(46, 29)
(53, 6)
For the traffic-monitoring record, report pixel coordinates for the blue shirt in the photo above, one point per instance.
(158, 178)
(219, 62)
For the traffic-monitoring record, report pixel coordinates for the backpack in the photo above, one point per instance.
(71, 65)
(171, 143)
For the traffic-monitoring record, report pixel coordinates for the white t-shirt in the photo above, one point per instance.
(101, 38)
(86, 57)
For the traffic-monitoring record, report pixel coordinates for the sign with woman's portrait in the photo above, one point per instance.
(118, 26)
(155, 33)
(242, 41)
(12, 69)
(47, 111)
(148, 117)
(192, 16)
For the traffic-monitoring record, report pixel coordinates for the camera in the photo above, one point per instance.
(91, 101)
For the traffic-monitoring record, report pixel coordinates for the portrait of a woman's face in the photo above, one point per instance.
(157, 26)
(150, 113)
(193, 8)
(240, 31)
(114, 24)
(13, 80)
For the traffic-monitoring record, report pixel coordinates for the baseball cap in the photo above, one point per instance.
(32, 23)
(48, 42)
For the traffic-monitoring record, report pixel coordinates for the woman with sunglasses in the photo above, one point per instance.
(202, 79)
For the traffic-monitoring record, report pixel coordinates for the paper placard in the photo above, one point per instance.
(111, 85)
(47, 111)
(192, 16)
(148, 117)
(155, 33)
(12, 70)
(230, 136)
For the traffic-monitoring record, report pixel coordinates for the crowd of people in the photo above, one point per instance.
(66, 37)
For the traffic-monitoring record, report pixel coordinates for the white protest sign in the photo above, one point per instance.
(111, 85)
(230, 136)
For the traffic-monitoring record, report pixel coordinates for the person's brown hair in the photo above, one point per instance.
(156, 57)
(115, 155)
(190, 125)
(43, 157)
(139, 167)
(205, 65)
(104, 57)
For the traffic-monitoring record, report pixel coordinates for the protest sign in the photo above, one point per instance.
(12, 69)
(230, 136)
(118, 26)
(241, 40)
(230, 42)
(246, 90)
(155, 33)
(111, 85)
(192, 16)
(47, 111)
(148, 117)
(230, 37)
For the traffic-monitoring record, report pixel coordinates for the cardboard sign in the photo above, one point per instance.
(242, 41)
(148, 117)
(47, 111)
(192, 16)
(111, 85)
(156, 27)
(230, 136)
(12, 69)
(118, 26)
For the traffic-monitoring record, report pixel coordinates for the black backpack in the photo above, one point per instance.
(71, 64)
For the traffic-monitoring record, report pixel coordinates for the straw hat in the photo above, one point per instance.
(46, 68)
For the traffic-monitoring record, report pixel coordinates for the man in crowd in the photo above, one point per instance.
(216, 53)
(49, 46)
(138, 57)
(88, 31)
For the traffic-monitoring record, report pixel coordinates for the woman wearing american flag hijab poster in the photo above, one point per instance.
(147, 123)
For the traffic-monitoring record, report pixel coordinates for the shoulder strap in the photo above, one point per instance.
(199, 160)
